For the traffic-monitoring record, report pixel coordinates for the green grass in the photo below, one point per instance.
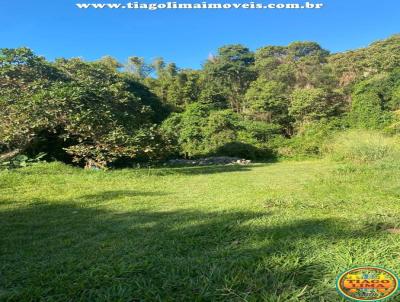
(361, 146)
(265, 232)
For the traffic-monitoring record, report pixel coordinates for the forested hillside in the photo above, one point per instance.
(278, 101)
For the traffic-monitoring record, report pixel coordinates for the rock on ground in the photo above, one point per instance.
(220, 160)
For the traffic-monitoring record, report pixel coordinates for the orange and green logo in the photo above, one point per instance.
(367, 284)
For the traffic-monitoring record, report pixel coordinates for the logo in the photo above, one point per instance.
(367, 284)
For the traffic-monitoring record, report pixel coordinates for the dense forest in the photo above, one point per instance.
(278, 101)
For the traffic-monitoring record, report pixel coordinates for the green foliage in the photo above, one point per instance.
(213, 94)
(299, 65)
(232, 68)
(20, 161)
(200, 131)
(294, 101)
(221, 128)
(191, 136)
(268, 101)
(175, 87)
(186, 130)
(310, 139)
(104, 113)
(366, 111)
(310, 104)
(87, 105)
(374, 100)
(258, 133)
(353, 66)
(138, 67)
(363, 147)
(111, 63)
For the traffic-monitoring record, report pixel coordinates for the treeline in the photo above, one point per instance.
(276, 101)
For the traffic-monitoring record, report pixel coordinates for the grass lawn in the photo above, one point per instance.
(264, 232)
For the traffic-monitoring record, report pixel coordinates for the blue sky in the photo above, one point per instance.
(56, 28)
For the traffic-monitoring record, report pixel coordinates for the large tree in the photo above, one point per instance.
(87, 109)
(232, 68)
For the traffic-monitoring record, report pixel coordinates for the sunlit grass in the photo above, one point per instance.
(265, 232)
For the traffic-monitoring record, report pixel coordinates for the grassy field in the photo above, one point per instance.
(264, 232)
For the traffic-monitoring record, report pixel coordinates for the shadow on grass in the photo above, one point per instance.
(64, 252)
(93, 198)
(198, 170)
(48, 169)
(116, 194)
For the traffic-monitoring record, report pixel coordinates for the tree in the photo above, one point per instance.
(111, 63)
(183, 88)
(166, 85)
(191, 135)
(310, 104)
(221, 128)
(212, 93)
(299, 65)
(23, 76)
(239, 101)
(138, 67)
(232, 68)
(354, 66)
(87, 109)
(158, 66)
(268, 101)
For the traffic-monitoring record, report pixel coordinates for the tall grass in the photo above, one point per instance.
(362, 146)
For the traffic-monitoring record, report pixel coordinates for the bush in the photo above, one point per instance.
(366, 111)
(374, 100)
(362, 147)
(20, 161)
(309, 139)
(258, 132)
(200, 131)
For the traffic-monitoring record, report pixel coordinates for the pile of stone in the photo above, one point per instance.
(208, 161)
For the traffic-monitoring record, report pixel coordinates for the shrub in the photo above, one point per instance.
(200, 131)
(366, 111)
(362, 147)
(258, 132)
(191, 130)
(374, 100)
(309, 139)
(222, 128)
(20, 161)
